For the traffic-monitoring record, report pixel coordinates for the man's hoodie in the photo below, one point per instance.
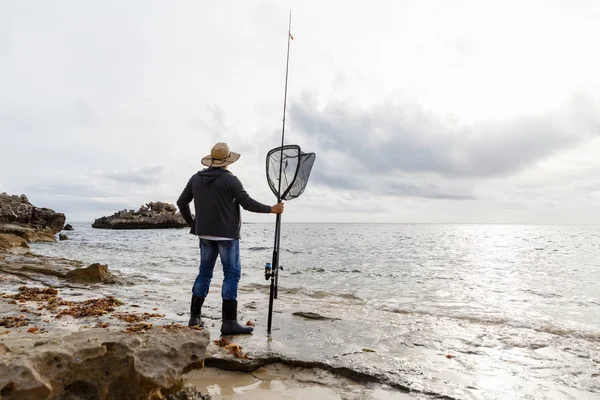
(217, 195)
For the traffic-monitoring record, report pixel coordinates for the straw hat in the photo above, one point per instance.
(220, 156)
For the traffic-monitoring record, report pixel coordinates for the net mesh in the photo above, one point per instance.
(295, 170)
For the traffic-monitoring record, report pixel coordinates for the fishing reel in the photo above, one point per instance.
(269, 271)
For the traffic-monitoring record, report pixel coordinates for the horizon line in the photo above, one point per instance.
(406, 223)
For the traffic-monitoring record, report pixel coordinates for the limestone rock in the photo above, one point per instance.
(53, 271)
(13, 244)
(188, 393)
(153, 215)
(95, 273)
(27, 233)
(100, 364)
(18, 211)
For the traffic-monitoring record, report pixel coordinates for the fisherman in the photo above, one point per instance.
(218, 195)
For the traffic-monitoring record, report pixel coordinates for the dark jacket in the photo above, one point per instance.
(217, 195)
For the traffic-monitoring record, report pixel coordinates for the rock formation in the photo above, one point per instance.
(51, 271)
(100, 364)
(13, 243)
(153, 215)
(95, 273)
(68, 227)
(19, 217)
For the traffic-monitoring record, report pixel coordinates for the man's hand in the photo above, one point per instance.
(277, 208)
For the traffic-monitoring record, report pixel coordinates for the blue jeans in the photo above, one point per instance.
(229, 250)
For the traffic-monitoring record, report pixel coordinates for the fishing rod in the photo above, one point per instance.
(288, 163)
(274, 273)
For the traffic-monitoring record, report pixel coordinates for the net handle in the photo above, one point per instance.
(298, 165)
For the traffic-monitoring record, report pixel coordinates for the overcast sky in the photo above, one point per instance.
(419, 111)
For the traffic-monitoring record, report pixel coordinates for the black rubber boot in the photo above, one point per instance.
(230, 325)
(196, 311)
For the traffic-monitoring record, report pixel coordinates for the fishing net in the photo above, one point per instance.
(295, 170)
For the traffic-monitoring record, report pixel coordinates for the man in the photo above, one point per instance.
(218, 195)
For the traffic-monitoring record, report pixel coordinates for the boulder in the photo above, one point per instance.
(68, 227)
(17, 210)
(27, 233)
(62, 236)
(95, 273)
(53, 271)
(13, 244)
(100, 364)
(153, 215)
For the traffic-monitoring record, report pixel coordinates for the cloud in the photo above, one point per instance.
(83, 208)
(84, 113)
(427, 191)
(76, 189)
(87, 112)
(387, 185)
(334, 181)
(408, 138)
(142, 176)
(88, 195)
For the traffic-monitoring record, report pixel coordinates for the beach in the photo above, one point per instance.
(29, 285)
(403, 319)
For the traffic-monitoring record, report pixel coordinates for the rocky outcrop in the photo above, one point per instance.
(12, 243)
(19, 217)
(95, 273)
(52, 271)
(100, 364)
(27, 233)
(154, 215)
(68, 227)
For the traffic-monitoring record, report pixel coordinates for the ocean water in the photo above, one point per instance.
(463, 311)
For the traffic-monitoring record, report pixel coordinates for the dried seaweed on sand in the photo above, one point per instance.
(92, 307)
(233, 348)
(141, 327)
(32, 294)
(133, 317)
(178, 327)
(222, 342)
(173, 327)
(13, 321)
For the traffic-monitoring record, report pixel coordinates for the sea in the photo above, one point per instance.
(447, 311)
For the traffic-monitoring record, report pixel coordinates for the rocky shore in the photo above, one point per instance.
(153, 215)
(64, 347)
(72, 330)
(18, 217)
(95, 363)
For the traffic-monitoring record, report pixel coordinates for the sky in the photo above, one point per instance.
(418, 111)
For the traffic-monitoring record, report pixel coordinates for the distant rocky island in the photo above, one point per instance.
(153, 215)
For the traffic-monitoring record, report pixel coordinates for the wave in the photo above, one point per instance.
(316, 294)
(568, 332)
(262, 248)
(503, 321)
(546, 295)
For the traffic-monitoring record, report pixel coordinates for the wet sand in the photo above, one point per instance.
(388, 347)
(267, 379)
(278, 381)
